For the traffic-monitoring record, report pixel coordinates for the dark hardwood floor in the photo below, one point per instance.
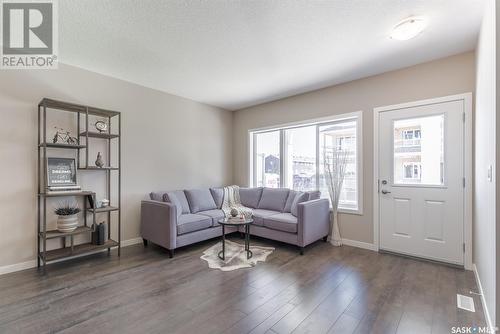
(328, 290)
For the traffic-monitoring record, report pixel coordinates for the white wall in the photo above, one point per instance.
(168, 142)
(485, 151)
(448, 76)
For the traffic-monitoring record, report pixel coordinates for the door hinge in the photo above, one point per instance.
(463, 182)
(463, 117)
(463, 247)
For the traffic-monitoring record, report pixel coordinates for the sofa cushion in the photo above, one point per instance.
(250, 197)
(285, 222)
(289, 200)
(200, 200)
(274, 199)
(260, 214)
(191, 223)
(215, 215)
(181, 198)
(218, 195)
(299, 198)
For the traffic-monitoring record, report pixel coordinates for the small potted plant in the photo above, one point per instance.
(67, 219)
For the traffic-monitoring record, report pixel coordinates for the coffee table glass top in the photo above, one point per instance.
(235, 222)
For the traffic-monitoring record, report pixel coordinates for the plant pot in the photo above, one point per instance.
(67, 223)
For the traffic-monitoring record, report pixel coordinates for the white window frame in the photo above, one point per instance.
(357, 115)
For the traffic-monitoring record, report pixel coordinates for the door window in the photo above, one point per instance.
(419, 151)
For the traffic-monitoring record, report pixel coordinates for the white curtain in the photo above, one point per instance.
(335, 162)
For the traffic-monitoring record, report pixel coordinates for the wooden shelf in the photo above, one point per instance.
(98, 168)
(67, 146)
(56, 234)
(81, 249)
(82, 117)
(105, 209)
(66, 193)
(103, 135)
(74, 107)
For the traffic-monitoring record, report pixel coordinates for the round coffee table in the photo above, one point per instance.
(235, 222)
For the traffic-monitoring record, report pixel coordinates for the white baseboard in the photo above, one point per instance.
(17, 267)
(11, 268)
(359, 244)
(483, 302)
(131, 242)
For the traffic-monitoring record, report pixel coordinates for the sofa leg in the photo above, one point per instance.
(301, 250)
(145, 242)
(171, 253)
(325, 238)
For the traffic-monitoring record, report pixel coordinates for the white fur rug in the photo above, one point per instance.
(236, 257)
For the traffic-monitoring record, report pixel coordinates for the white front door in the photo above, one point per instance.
(421, 181)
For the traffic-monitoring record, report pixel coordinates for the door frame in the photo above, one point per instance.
(467, 101)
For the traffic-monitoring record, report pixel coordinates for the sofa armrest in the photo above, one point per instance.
(159, 223)
(313, 221)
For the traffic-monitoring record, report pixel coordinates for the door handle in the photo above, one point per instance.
(385, 192)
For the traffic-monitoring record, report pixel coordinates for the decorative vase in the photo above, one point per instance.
(67, 223)
(99, 162)
(234, 212)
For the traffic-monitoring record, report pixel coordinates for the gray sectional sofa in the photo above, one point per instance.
(173, 219)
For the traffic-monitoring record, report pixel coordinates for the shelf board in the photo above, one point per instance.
(74, 107)
(98, 168)
(66, 193)
(105, 209)
(59, 145)
(81, 249)
(104, 135)
(56, 234)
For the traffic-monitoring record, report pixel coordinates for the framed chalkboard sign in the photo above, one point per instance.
(61, 173)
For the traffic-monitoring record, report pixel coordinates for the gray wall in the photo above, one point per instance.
(485, 151)
(168, 142)
(442, 77)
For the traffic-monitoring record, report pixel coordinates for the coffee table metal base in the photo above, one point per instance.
(222, 253)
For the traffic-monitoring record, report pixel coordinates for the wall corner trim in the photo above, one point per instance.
(483, 302)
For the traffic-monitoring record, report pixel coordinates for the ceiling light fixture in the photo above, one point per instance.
(409, 28)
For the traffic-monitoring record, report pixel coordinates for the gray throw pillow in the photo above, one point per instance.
(250, 197)
(170, 197)
(289, 201)
(181, 197)
(218, 195)
(200, 200)
(299, 198)
(315, 194)
(274, 199)
(157, 196)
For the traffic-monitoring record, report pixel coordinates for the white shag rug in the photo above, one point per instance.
(236, 257)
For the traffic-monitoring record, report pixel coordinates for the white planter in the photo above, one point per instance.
(67, 223)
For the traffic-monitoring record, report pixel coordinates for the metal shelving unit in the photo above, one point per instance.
(46, 256)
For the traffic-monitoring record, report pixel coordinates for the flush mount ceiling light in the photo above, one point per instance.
(409, 28)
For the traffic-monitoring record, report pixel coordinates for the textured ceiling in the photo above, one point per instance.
(235, 54)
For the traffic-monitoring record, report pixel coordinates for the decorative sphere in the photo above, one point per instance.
(234, 212)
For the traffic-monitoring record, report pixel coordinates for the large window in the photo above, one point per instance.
(341, 136)
(293, 157)
(267, 159)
